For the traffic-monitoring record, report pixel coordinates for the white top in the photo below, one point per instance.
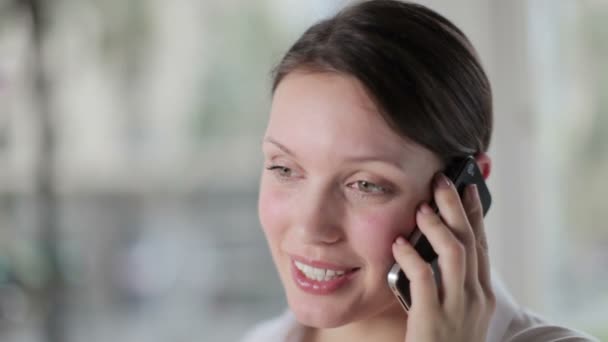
(510, 323)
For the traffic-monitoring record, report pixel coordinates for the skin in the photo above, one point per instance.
(340, 186)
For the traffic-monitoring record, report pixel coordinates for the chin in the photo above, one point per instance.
(314, 314)
(326, 312)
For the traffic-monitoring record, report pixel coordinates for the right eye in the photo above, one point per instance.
(281, 172)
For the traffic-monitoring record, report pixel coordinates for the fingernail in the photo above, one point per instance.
(441, 181)
(400, 241)
(425, 208)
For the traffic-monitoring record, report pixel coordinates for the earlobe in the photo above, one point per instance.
(484, 162)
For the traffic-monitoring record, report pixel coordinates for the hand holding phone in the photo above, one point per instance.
(461, 172)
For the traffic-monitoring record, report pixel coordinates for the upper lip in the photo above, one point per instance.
(321, 264)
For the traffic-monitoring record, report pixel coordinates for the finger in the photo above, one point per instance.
(474, 211)
(449, 249)
(451, 209)
(423, 289)
(453, 214)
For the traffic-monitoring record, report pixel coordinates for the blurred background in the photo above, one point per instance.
(130, 154)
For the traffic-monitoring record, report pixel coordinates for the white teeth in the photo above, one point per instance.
(318, 274)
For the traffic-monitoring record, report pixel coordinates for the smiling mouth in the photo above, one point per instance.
(319, 280)
(322, 274)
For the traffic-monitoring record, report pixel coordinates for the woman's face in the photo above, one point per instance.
(338, 187)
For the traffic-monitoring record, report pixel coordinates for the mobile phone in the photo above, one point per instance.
(462, 172)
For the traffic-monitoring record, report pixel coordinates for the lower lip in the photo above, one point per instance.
(320, 287)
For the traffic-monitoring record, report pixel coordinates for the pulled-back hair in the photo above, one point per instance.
(419, 68)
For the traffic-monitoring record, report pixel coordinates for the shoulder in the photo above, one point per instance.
(279, 328)
(512, 323)
(528, 326)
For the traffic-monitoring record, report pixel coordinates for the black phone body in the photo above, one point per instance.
(461, 172)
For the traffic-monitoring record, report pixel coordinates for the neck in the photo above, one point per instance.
(389, 325)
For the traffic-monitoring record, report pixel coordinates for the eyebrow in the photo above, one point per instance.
(358, 159)
(279, 145)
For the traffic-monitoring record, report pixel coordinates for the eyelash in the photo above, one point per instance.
(360, 193)
(383, 190)
(274, 169)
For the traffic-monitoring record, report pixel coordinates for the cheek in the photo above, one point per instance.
(271, 210)
(374, 232)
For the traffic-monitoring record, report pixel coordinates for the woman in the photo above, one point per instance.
(368, 108)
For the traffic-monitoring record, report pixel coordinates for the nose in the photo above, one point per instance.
(319, 215)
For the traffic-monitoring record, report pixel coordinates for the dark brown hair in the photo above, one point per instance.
(421, 70)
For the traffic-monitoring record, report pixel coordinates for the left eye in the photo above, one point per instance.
(369, 188)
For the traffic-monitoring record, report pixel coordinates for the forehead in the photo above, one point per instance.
(331, 111)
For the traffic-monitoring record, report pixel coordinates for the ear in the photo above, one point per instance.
(484, 163)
